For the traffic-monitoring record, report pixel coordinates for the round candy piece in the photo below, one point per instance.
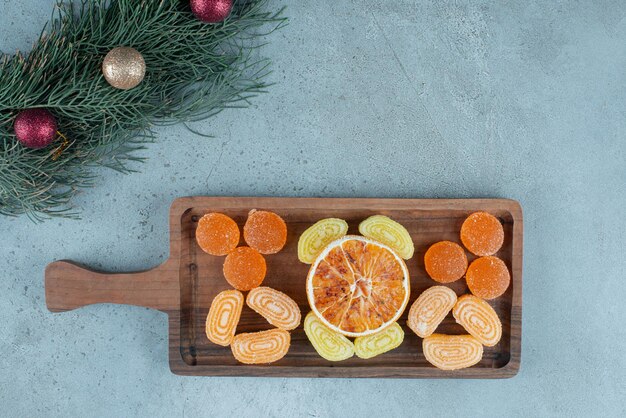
(482, 234)
(217, 234)
(445, 262)
(488, 277)
(265, 231)
(244, 268)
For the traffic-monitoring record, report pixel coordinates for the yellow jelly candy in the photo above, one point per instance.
(381, 342)
(389, 232)
(328, 343)
(318, 236)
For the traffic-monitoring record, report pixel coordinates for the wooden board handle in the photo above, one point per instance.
(70, 286)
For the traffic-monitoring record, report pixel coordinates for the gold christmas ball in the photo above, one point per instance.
(124, 68)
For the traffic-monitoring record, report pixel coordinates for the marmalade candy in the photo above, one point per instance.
(329, 344)
(479, 319)
(488, 277)
(430, 309)
(265, 231)
(482, 234)
(223, 317)
(278, 308)
(217, 234)
(445, 262)
(389, 232)
(261, 347)
(379, 343)
(244, 268)
(452, 352)
(319, 235)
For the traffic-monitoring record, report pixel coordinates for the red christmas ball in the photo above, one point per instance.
(211, 11)
(35, 128)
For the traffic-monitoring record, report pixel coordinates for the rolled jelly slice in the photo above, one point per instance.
(329, 344)
(379, 343)
(389, 232)
(223, 317)
(452, 352)
(479, 319)
(278, 308)
(429, 309)
(261, 347)
(318, 236)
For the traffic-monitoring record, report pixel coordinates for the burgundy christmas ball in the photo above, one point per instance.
(35, 128)
(211, 11)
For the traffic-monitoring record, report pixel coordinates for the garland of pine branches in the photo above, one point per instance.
(194, 70)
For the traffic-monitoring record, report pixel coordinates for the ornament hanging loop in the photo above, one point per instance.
(57, 153)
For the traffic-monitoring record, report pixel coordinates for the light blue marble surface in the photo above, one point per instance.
(516, 99)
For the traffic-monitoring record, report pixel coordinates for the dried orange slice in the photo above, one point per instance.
(488, 277)
(389, 232)
(265, 231)
(379, 343)
(479, 319)
(217, 234)
(482, 234)
(429, 309)
(445, 262)
(319, 235)
(278, 308)
(329, 344)
(358, 286)
(223, 317)
(452, 352)
(261, 347)
(244, 268)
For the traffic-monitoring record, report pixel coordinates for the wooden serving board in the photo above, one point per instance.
(184, 286)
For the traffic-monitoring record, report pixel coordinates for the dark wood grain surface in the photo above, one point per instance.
(185, 284)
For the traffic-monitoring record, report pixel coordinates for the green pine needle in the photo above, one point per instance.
(194, 70)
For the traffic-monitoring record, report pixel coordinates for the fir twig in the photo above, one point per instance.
(194, 70)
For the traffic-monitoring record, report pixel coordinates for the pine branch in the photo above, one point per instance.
(194, 70)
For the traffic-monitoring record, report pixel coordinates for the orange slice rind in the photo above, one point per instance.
(319, 235)
(429, 309)
(329, 344)
(278, 308)
(479, 319)
(379, 343)
(223, 317)
(389, 232)
(261, 347)
(452, 352)
(358, 286)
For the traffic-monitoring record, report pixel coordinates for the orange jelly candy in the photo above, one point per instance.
(217, 234)
(482, 234)
(265, 231)
(488, 277)
(445, 262)
(244, 268)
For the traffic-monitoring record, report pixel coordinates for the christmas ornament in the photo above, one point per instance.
(193, 75)
(35, 128)
(124, 68)
(211, 11)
